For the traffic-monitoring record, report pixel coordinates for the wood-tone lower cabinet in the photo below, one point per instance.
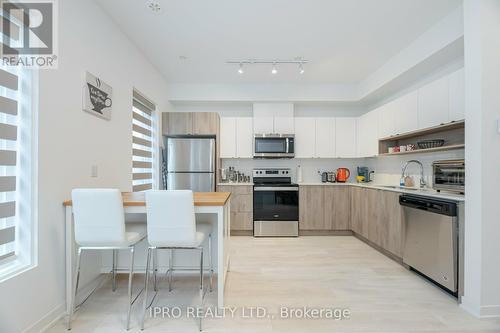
(241, 206)
(377, 216)
(359, 211)
(390, 217)
(337, 207)
(311, 208)
(324, 207)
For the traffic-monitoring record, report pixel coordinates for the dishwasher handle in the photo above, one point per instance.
(431, 205)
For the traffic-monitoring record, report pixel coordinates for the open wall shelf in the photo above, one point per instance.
(452, 133)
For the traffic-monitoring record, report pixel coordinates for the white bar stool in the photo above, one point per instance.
(100, 225)
(171, 225)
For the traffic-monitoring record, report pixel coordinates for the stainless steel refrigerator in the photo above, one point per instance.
(190, 163)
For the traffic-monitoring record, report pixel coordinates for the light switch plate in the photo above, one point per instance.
(93, 171)
(498, 125)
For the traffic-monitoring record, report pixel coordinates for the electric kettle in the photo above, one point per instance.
(343, 175)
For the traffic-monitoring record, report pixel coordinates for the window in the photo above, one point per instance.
(143, 143)
(17, 170)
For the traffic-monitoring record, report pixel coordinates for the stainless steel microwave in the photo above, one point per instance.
(274, 146)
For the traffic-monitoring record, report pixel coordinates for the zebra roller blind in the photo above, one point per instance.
(9, 123)
(143, 143)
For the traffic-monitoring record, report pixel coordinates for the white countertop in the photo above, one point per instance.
(425, 192)
(429, 192)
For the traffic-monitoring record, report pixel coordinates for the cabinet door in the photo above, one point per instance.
(390, 219)
(433, 99)
(325, 137)
(244, 137)
(359, 210)
(241, 205)
(311, 210)
(337, 207)
(228, 137)
(345, 137)
(284, 125)
(406, 113)
(205, 123)
(386, 120)
(367, 132)
(457, 95)
(263, 125)
(305, 138)
(373, 224)
(180, 123)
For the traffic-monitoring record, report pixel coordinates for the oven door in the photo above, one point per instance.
(273, 147)
(273, 203)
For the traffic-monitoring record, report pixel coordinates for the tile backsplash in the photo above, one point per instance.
(387, 169)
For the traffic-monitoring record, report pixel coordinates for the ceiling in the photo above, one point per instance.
(344, 41)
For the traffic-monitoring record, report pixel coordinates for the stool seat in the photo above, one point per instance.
(133, 234)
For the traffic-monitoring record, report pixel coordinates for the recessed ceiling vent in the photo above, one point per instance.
(154, 6)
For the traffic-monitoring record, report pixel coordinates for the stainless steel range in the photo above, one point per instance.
(275, 203)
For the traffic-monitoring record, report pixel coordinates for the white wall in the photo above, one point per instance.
(70, 141)
(482, 110)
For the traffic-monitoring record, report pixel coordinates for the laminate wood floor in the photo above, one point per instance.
(331, 272)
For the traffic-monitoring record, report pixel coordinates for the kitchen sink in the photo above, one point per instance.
(404, 188)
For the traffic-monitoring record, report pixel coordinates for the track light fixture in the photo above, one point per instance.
(274, 70)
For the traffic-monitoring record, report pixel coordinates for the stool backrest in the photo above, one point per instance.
(99, 217)
(170, 218)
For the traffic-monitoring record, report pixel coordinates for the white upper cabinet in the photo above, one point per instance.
(236, 137)
(457, 95)
(325, 137)
(386, 120)
(406, 113)
(345, 137)
(227, 137)
(433, 103)
(263, 124)
(244, 137)
(273, 118)
(367, 134)
(305, 138)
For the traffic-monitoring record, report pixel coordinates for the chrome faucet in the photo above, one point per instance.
(422, 180)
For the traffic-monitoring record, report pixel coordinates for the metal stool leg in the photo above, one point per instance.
(170, 269)
(115, 259)
(155, 269)
(145, 303)
(130, 276)
(77, 280)
(201, 287)
(210, 262)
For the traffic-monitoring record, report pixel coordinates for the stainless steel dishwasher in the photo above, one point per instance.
(431, 239)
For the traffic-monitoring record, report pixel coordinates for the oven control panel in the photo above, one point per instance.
(271, 172)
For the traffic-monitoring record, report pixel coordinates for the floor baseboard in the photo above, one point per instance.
(48, 320)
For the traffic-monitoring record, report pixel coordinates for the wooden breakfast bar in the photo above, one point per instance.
(216, 204)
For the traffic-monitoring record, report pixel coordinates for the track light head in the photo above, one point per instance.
(301, 69)
(274, 70)
(240, 69)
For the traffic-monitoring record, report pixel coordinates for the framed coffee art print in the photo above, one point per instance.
(97, 96)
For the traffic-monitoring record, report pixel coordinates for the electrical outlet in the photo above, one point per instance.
(93, 171)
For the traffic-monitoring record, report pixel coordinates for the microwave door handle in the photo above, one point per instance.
(287, 145)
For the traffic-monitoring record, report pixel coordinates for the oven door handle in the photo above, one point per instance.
(275, 189)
